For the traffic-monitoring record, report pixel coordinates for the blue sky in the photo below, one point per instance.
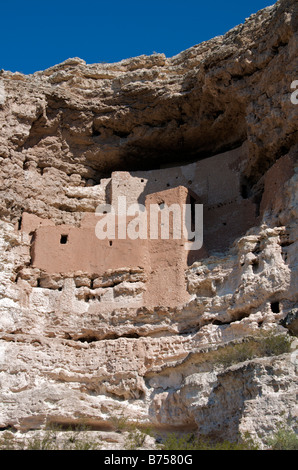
(38, 34)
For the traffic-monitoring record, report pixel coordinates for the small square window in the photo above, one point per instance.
(275, 307)
(63, 239)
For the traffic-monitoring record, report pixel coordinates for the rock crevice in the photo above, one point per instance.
(88, 332)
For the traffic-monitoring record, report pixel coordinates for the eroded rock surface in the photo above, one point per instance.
(134, 339)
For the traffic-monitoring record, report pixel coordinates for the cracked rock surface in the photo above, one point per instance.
(64, 131)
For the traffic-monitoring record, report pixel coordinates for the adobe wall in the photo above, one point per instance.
(83, 251)
(214, 182)
(67, 251)
(215, 179)
(274, 185)
(168, 258)
(217, 183)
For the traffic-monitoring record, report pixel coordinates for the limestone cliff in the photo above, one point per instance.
(90, 333)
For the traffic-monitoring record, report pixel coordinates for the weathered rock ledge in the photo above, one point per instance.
(144, 341)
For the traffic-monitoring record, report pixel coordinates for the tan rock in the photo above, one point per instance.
(91, 329)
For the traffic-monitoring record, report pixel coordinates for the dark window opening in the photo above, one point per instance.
(193, 212)
(63, 239)
(95, 132)
(32, 243)
(121, 134)
(255, 266)
(275, 307)
(244, 192)
(87, 339)
(110, 243)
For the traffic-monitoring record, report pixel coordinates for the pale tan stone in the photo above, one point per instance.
(87, 334)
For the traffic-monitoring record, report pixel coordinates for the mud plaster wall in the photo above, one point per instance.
(215, 179)
(66, 250)
(214, 182)
(168, 258)
(228, 213)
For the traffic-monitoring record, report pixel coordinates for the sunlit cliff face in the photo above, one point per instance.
(91, 330)
(74, 124)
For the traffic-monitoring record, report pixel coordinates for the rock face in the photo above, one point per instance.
(92, 329)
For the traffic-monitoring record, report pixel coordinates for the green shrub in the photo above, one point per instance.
(266, 344)
(284, 439)
(235, 353)
(46, 442)
(53, 438)
(119, 423)
(135, 439)
(175, 441)
(273, 345)
(7, 441)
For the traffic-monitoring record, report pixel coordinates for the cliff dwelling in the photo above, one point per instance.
(109, 310)
(158, 266)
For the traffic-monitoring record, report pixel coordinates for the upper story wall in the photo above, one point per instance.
(215, 180)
